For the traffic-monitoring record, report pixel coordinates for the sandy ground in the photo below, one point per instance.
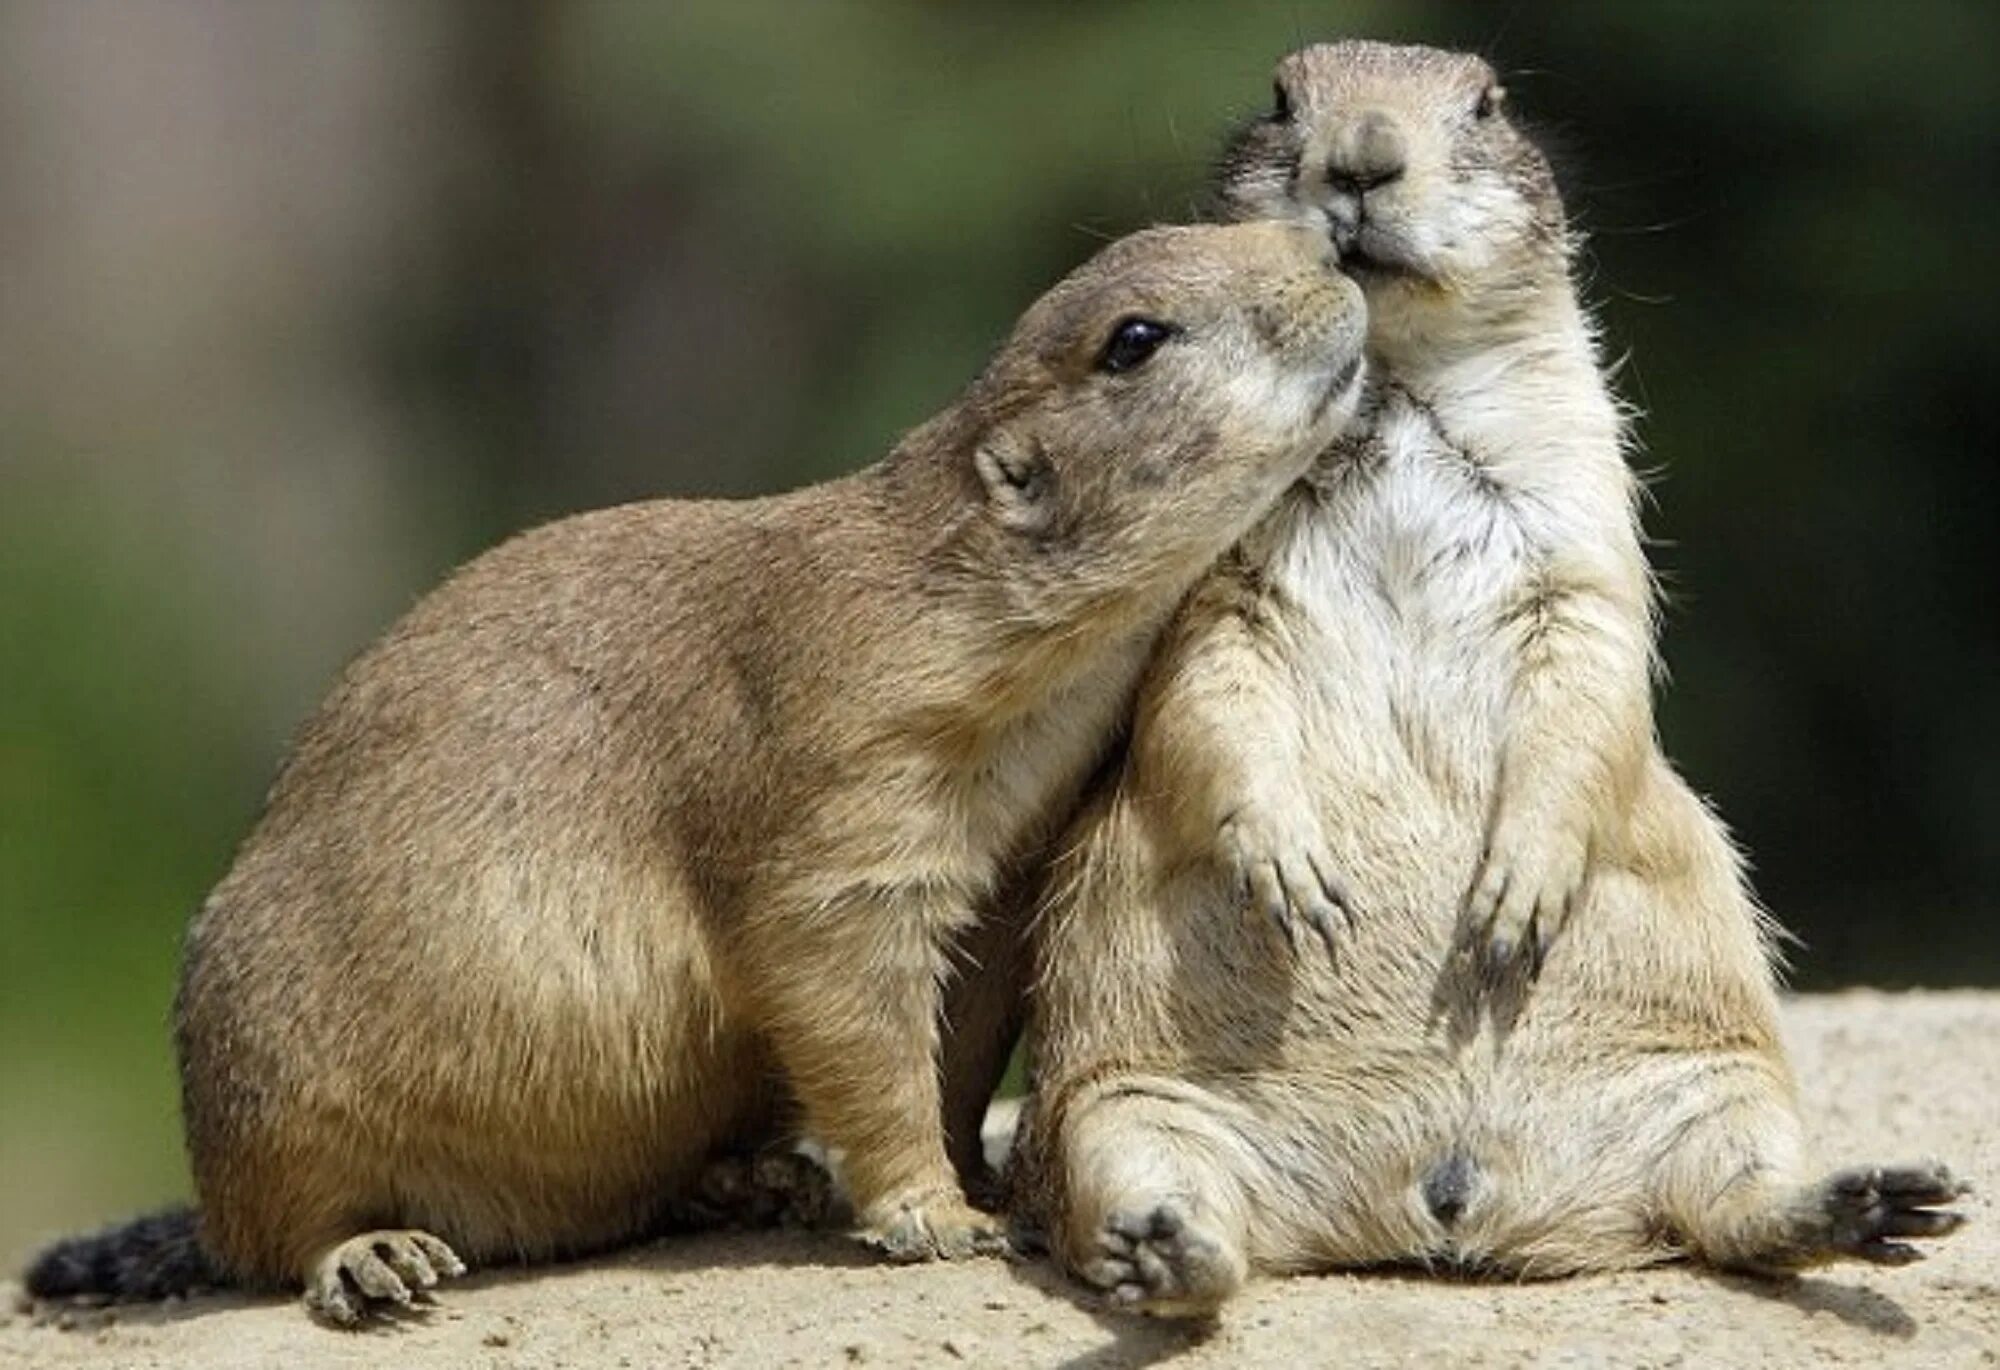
(1887, 1077)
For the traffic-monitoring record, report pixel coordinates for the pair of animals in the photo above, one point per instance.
(663, 833)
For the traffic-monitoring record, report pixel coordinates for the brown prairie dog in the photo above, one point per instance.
(1417, 697)
(659, 821)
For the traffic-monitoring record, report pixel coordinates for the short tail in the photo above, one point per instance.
(147, 1258)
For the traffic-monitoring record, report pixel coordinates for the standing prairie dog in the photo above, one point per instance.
(654, 820)
(1417, 698)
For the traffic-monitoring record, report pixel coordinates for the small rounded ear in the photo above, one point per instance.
(1019, 478)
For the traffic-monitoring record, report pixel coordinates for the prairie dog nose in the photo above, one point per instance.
(1367, 151)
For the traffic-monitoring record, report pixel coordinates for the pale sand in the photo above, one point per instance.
(1887, 1077)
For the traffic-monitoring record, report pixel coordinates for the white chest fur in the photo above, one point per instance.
(1416, 546)
(1396, 568)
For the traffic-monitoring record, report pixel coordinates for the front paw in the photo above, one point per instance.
(369, 1274)
(927, 1227)
(1278, 858)
(1525, 890)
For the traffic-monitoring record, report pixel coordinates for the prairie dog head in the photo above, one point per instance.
(1406, 157)
(1148, 409)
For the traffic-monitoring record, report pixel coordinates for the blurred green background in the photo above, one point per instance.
(302, 303)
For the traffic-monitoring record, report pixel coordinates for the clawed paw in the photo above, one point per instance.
(1523, 894)
(1162, 1258)
(1284, 870)
(770, 1189)
(365, 1274)
(1868, 1209)
(933, 1229)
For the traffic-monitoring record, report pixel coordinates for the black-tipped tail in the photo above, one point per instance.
(147, 1258)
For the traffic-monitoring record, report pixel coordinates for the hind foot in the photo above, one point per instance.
(1163, 1259)
(771, 1189)
(1861, 1214)
(1863, 1210)
(365, 1273)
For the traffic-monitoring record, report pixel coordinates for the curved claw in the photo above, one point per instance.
(1320, 901)
(1321, 918)
(1335, 894)
(1538, 953)
(1267, 888)
(1280, 913)
(1880, 1252)
(1508, 939)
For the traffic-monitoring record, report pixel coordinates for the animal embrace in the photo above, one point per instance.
(1246, 683)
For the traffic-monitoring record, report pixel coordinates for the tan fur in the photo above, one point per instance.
(1417, 697)
(654, 819)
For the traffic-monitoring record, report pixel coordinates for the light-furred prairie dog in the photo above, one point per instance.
(656, 818)
(1421, 689)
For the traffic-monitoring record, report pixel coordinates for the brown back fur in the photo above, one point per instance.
(657, 822)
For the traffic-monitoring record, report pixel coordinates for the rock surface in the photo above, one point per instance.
(1887, 1077)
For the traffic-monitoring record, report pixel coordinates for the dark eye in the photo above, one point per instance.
(1489, 102)
(1281, 103)
(1132, 342)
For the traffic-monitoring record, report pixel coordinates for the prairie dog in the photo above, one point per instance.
(656, 820)
(1417, 700)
